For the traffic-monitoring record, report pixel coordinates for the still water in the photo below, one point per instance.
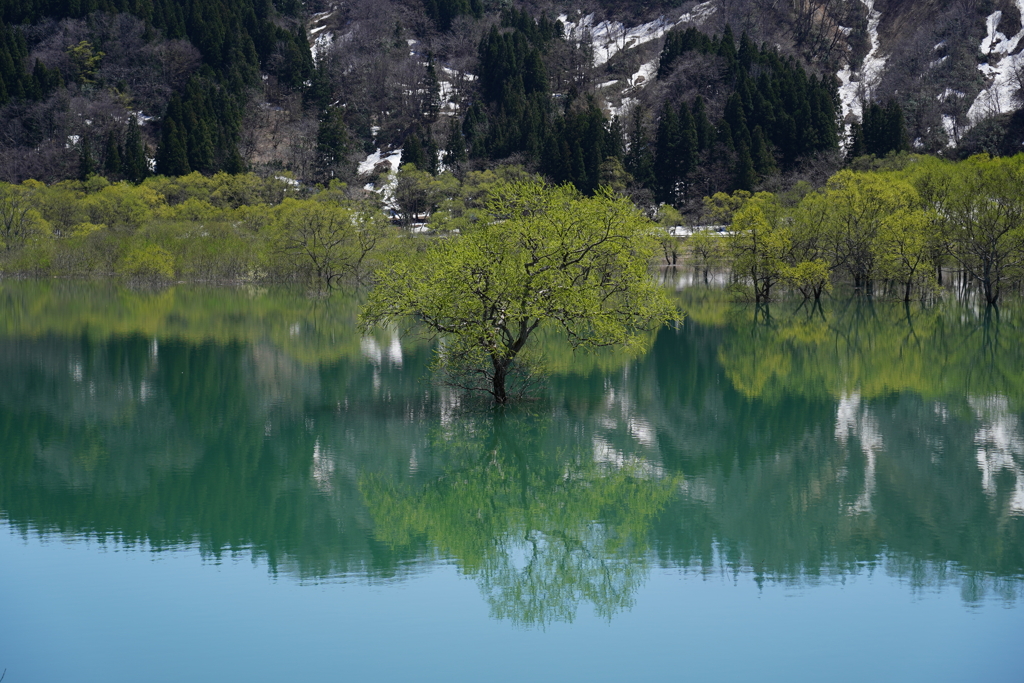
(207, 484)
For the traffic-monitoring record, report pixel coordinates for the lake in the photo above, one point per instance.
(203, 484)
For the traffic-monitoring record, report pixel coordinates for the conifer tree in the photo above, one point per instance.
(744, 176)
(134, 163)
(639, 161)
(702, 125)
(332, 143)
(86, 163)
(412, 151)
(666, 157)
(455, 147)
(764, 163)
(687, 142)
(112, 155)
(432, 88)
(172, 154)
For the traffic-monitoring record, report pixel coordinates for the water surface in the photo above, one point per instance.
(227, 484)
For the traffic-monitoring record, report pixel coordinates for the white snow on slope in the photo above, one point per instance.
(321, 44)
(1000, 71)
(367, 165)
(644, 74)
(698, 14)
(855, 87)
(608, 38)
(320, 38)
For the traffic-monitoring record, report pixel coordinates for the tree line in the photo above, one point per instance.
(765, 115)
(907, 228)
(218, 228)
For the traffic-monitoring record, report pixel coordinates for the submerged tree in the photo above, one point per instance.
(332, 241)
(549, 256)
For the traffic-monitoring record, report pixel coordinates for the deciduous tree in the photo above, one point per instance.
(549, 256)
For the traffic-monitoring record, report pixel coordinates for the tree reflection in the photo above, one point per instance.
(831, 441)
(876, 348)
(541, 531)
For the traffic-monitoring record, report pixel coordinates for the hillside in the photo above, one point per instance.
(666, 100)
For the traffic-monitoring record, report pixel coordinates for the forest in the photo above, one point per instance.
(127, 89)
(158, 141)
(904, 227)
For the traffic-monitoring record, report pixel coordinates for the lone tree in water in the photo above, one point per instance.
(548, 257)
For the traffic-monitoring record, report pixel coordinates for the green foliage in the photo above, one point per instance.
(20, 221)
(332, 143)
(443, 12)
(982, 214)
(706, 249)
(218, 228)
(810, 278)
(331, 241)
(760, 244)
(122, 206)
(850, 213)
(145, 262)
(85, 60)
(548, 256)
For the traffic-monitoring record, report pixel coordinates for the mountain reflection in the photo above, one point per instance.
(802, 446)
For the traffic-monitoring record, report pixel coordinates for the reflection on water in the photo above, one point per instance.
(801, 446)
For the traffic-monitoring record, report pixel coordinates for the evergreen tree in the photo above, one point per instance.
(200, 148)
(134, 163)
(455, 147)
(857, 147)
(431, 153)
(666, 155)
(884, 129)
(896, 138)
(86, 163)
(639, 161)
(764, 162)
(332, 143)
(432, 88)
(112, 155)
(702, 125)
(172, 153)
(688, 147)
(744, 175)
(412, 152)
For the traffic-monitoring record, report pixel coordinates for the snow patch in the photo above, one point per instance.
(622, 109)
(1000, 71)
(644, 74)
(367, 165)
(855, 87)
(321, 45)
(608, 38)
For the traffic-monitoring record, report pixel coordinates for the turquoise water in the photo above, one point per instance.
(209, 484)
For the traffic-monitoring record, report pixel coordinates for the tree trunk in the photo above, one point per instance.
(498, 381)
